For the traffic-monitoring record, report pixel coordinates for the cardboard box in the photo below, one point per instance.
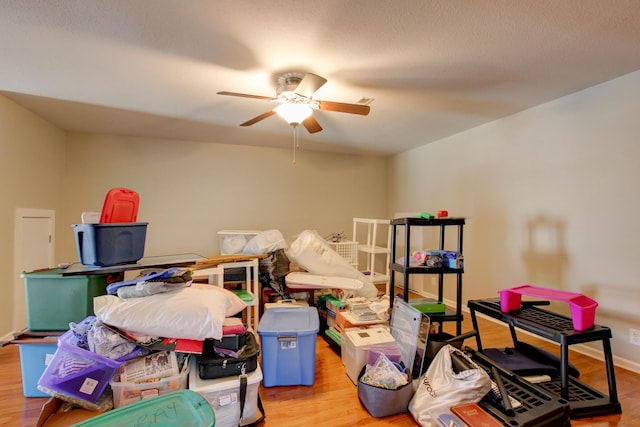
(54, 414)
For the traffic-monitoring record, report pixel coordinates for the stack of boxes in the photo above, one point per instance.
(216, 376)
(224, 395)
(52, 302)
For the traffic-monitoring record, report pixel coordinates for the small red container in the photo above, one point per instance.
(120, 205)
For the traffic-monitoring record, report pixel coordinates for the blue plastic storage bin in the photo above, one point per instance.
(35, 354)
(288, 339)
(110, 244)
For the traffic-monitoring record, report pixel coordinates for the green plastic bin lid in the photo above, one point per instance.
(183, 408)
(44, 273)
(54, 273)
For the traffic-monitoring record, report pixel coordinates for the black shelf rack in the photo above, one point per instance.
(584, 400)
(406, 271)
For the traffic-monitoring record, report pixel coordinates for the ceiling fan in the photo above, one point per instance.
(294, 93)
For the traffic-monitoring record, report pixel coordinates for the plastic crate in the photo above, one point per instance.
(110, 244)
(53, 300)
(288, 341)
(77, 372)
(347, 250)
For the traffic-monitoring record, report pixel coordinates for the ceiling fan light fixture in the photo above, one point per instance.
(294, 113)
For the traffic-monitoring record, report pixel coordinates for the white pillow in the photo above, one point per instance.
(236, 304)
(189, 313)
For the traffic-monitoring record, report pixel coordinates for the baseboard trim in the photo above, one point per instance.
(4, 340)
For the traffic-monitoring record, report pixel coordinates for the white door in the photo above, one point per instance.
(33, 249)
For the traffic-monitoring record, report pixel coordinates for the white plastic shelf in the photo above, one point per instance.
(215, 276)
(375, 253)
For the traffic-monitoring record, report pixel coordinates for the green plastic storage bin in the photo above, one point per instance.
(54, 300)
(184, 408)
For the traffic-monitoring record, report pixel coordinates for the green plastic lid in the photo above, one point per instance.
(183, 408)
(244, 295)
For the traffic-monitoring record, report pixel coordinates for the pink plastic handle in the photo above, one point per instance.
(583, 308)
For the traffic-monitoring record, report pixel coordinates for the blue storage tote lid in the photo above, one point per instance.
(301, 320)
(185, 408)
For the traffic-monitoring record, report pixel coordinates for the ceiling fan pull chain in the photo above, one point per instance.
(295, 143)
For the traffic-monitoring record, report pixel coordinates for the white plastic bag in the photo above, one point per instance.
(265, 242)
(441, 387)
(311, 252)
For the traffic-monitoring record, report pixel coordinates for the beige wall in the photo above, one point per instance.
(32, 161)
(551, 199)
(189, 191)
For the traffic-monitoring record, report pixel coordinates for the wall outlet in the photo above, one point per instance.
(634, 336)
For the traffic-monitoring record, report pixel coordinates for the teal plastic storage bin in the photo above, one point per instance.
(54, 300)
(110, 244)
(35, 354)
(184, 408)
(288, 338)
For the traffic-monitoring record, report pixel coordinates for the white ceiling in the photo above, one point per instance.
(434, 67)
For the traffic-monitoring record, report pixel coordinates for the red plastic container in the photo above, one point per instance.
(583, 308)
(120, 205)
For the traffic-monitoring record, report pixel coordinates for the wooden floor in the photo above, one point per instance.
(333, 399)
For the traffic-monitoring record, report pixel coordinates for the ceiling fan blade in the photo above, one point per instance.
(311, 124)
(258, 118)
(245, 95)
(342, 107)
(309, 84)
